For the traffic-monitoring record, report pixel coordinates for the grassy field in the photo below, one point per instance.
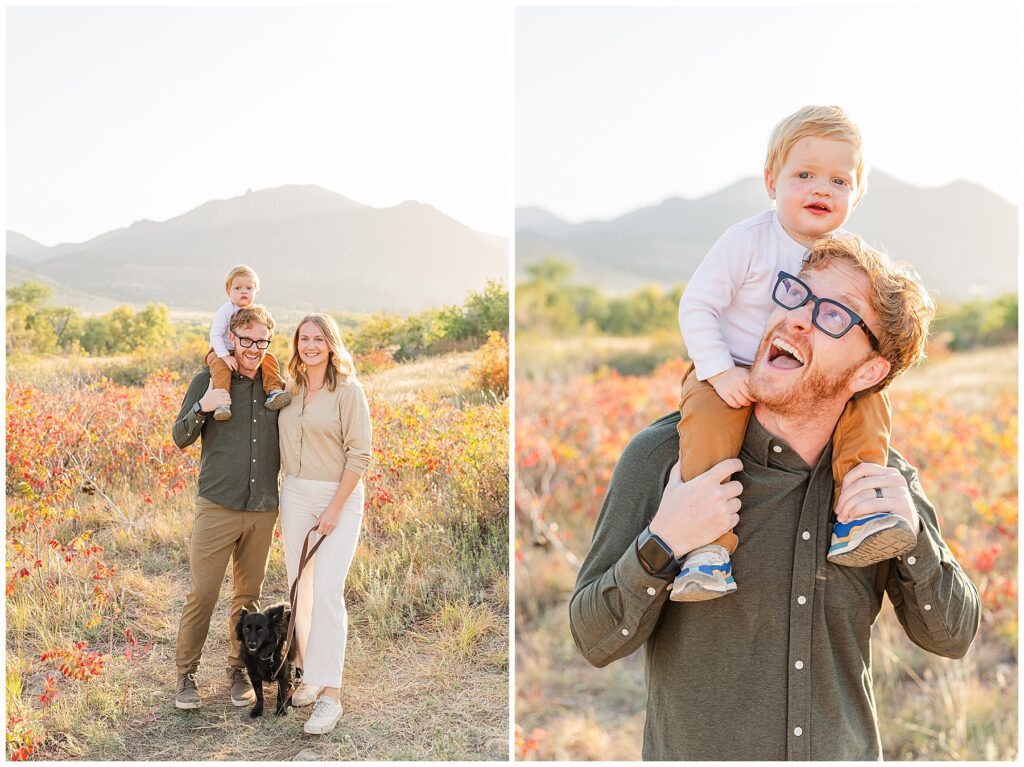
(96, 580)
(956, 419)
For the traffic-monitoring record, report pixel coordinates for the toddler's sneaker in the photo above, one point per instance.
(223, 413)
(305, 695)
(706, 574)
(325, 716)
(278, 399)
(868, 540)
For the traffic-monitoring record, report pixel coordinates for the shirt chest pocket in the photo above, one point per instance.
(850, 592)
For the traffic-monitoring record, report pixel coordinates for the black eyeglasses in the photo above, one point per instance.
(830, 317)
(247, 343)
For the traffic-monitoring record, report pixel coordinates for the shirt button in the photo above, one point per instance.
(798, 731)
(777, 448)
(651, 591)
(625, 632)
(799, 665)
(806, 536)
(911, 560)
(927, 607)
(254, 461)
(252, 480)
(801, 600)
(253, 439)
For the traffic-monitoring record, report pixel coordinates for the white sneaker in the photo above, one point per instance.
(305, 695)
(325, 716)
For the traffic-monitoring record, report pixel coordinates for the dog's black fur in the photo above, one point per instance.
(263, 635)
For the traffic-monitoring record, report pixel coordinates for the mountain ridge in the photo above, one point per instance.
(663, 243)
(314, 249)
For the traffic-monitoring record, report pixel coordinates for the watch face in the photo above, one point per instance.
(655, 554)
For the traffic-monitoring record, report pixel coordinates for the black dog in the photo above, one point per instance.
(263, 636)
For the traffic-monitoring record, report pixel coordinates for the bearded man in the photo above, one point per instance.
(781, 668)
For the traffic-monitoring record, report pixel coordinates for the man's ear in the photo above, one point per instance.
(871, 371)
(769, 183)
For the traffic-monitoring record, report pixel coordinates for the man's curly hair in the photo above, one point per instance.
(901, 303)
(249, 315)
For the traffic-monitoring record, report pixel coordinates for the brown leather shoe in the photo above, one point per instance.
(242, 693)
(188, 693)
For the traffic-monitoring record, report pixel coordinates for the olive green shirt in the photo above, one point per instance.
(781, 668)
(241, 457)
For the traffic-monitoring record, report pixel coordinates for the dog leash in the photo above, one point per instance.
(304, 559)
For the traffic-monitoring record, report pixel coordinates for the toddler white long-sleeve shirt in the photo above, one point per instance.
(220, 332)
(726, 304)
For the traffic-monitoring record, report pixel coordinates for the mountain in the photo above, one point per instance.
(961, 238)
(313, 249)
(24, 249)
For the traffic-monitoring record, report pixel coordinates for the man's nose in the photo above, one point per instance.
(801, 320)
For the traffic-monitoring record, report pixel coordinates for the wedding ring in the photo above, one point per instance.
(878, 492)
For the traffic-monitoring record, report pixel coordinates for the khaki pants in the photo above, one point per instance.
(710, 431)
(221, 373)
(219, 534)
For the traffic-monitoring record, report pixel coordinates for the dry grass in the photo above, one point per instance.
(426, 671)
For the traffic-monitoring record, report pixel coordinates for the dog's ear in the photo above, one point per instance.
(283, 615)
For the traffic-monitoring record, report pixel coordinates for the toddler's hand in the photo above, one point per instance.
(231, 362)
(731, 386)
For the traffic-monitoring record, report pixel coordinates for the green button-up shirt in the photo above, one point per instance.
(781, 668)
(241, 457)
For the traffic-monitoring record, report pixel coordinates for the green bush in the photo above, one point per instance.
(978, 322)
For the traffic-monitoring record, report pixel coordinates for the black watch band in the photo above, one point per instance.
(198, 411)
(656, 556)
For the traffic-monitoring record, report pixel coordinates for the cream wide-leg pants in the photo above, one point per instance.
(321, 620)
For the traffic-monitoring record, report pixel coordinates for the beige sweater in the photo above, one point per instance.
(330, 434)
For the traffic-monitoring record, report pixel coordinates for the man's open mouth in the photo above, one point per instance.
(784, 356)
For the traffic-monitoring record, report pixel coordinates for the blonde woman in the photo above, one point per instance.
(325, 447)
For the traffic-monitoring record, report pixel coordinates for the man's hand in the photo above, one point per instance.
(697, 512)
(214, 398)
(731, 386)
(860, 499)
(231, 362)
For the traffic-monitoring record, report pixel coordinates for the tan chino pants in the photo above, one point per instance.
(220, 534)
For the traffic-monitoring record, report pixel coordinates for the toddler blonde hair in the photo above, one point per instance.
(241, 270)
(829, 122)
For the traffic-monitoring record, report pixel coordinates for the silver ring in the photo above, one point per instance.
(878, 492)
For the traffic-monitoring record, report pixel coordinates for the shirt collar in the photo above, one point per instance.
(769, 450)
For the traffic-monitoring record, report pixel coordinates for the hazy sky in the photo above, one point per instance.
(117, 114)
(620, 108)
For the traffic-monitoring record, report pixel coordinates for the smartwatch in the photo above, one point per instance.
(199, 412)
(656, 557)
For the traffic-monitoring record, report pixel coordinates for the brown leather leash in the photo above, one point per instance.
(304, 559)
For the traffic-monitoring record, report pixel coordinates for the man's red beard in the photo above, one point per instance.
(803, 396)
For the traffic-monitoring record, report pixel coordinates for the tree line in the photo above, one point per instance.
(549, 303)
(36, 328)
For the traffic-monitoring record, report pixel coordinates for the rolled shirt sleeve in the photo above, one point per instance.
(356, 428)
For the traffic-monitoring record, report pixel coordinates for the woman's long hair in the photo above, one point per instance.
(339, 360)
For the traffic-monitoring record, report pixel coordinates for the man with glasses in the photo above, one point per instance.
(237, 504)
(782, 668)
